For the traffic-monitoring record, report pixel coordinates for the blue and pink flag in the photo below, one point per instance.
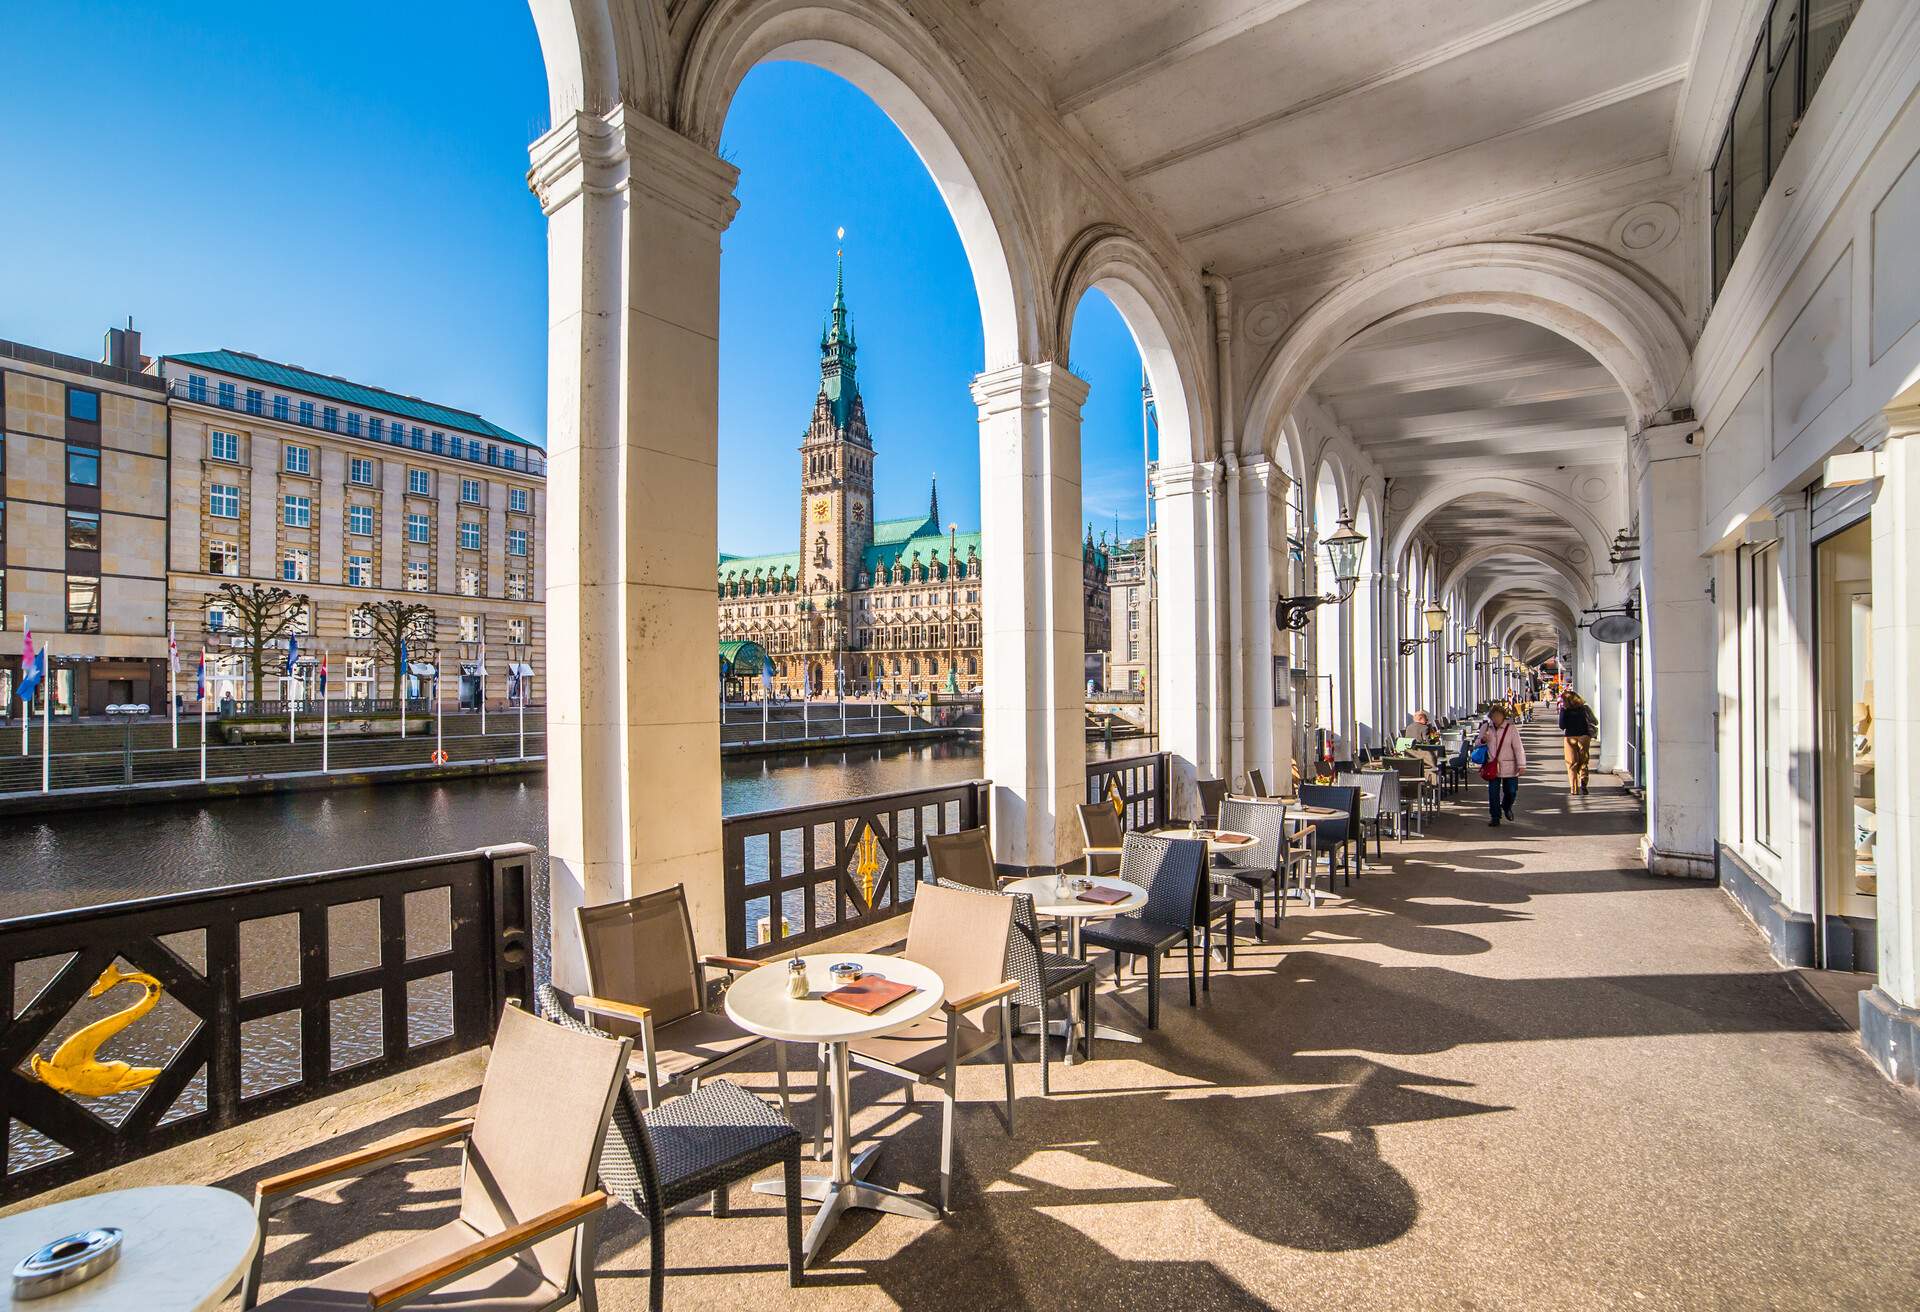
(33, 668)
(200, 679)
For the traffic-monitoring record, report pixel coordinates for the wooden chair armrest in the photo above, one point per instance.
(734, 963)
(1097, 850)
(486, 1251)
(593, 1006)
(405, 1145)
(984, 996)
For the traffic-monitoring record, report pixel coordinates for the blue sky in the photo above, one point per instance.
(342, 187)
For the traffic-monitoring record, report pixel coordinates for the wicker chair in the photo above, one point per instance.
(645, 982)
(1334, 837)
(1173, 871)
(524, 1234)
(1373, 788)
(656, 1159)
(962, 936)
(1256, 867)
(1101, 832)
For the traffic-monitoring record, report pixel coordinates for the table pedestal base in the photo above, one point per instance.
(1065, 1029)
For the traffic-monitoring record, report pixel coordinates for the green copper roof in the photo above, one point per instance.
(747, 566)
(838, 377)
(930, 546)
(743, 655)
(295, 379)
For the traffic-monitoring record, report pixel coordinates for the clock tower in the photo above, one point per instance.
(836, 470)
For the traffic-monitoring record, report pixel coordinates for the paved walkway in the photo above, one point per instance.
(1508, 1072)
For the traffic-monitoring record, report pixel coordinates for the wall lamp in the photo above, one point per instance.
(1435, 616)
(1344, 548)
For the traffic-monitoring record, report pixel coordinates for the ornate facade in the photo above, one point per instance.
(867, 606)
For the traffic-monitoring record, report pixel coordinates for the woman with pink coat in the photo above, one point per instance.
(1506, 759)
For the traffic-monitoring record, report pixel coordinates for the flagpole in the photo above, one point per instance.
(522, 684)
(480, 685)
(203, 715)
(173, 704)
(46, 721)
(439, 732)
(323, 711)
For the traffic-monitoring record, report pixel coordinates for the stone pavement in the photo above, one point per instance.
(1504, 1070)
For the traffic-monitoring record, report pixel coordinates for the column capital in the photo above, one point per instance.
(1657, 442)
(1021, 385)
(1194, 477)
(589, 154)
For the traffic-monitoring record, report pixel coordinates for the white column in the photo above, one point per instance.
(1678, 655)
(1795, 802)
(1187, 511)
(1263, 579)
(635, 214)
(1896, 712)
(1032, 625)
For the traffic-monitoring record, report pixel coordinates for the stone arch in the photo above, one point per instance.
(1448, 491)
(1580, 296)
(1582, 586)
(880, 48)
(1109, 258)
(602, 53)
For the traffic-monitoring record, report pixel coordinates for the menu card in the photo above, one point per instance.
(868, 994)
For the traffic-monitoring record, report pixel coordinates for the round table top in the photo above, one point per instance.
(758, 1000)
(184, 1250)
(1049, 903)
(1220, 840)
(1294, 808)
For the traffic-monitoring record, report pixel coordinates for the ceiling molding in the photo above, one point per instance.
(1077, 99)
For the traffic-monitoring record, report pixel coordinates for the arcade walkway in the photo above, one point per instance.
(1510, 1072)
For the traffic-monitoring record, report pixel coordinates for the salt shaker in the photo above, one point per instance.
(796, 978)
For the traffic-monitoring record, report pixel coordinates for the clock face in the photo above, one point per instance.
(822, 509)
(859, 512)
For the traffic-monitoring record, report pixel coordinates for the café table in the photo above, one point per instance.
(1048, 901)
(183, 1249)
(1217, 840)
(758, 1002)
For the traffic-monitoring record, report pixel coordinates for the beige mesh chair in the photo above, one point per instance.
(523, 1241)
(646, 983)
(965, 857)
(1102, 833)
(962, 937)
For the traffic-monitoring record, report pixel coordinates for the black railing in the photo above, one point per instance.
(806, 873)
(251, 998)
(1141, 782)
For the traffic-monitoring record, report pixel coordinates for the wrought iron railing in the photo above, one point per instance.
(1141, 782)
(806, 873)
(251, 999)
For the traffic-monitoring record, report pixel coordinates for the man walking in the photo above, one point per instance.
(1578, 724)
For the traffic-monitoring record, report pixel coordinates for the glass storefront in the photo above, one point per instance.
(1849, 825)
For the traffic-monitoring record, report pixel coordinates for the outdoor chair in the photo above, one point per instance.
(524, 1235)
(1334, 837)
(656, 1159)
(1101, 831)
(965, 858)
(1257, 782)
(1413, 791)
(1372, 785)
(962, 936)
(1173, 871)
(1212, 793)
(1258, 867)
(645, 982)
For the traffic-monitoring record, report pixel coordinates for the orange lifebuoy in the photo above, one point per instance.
(439, 758)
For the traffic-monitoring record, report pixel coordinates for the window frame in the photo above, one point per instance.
(219, 494)
(289, 503)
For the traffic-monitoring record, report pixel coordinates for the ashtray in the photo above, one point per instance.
(1082, 884)
(67, 1261)
(845, 972)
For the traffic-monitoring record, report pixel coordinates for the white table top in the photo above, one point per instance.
(758, 1000)
(185, 1248)
(1220, 840)
(1070, 907)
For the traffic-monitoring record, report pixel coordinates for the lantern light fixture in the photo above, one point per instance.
(1472, 635)
(1344, 546)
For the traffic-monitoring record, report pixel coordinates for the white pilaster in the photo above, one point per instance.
(1187, 511)
(635, 214)
(1032, 625)
(1896, 708)
(1263, 578)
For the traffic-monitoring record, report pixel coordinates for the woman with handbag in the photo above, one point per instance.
(1502, 758)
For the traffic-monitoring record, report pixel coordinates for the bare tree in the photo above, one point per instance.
(395, 622)
(262, 616)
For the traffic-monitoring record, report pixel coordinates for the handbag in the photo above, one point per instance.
(1490, 768)
(1478, 755)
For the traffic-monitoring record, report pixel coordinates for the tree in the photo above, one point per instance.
(392, 623)
(261, 616)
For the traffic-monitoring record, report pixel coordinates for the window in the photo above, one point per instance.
(330, 419)
(297, 565)
(517, 631)
(83, 466)
(359, 625)
(419, 438)
(197, 388)
(455, 448)
(469, 535)
(216, 617)
(416, 576)
(299, 459)
(224, 446)
(302, 621)
(421, 628)
(298, 512)
(419, 483)
(470, 491)
(228, 396)
(83, 604)
(469, 581)
(306, 414)
(469, 628)
(1133, 649)
(517, 500)
(280, 410)
(418, 529)
(255, 398)
(223, 556)
(360, 520)
(83, 530)
(360, 668)
(517, 585)
(223, 501)
(439, 443)
(360, 571)
(516, 542)
(3, 599)
(360, 470)
(353, 424)
(376, 428)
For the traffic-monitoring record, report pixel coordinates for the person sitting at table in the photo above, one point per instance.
(1421, 728)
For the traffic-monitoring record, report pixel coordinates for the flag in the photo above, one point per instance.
(200, 678)
(293, 654)
(323, 673)
(403, 660)
(32, 668)
(480, 668)
(766, 677)
(173, 652)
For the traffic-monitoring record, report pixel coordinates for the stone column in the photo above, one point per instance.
(1032, 628)
(1795, 801)
(1678, 655)
(634, 217)
(1187, 511)
(1263, 578)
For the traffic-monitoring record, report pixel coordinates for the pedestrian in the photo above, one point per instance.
(1578, 725)
(1506, 758)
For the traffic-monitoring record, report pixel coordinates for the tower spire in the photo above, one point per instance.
(837, 373)
(933, 502)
